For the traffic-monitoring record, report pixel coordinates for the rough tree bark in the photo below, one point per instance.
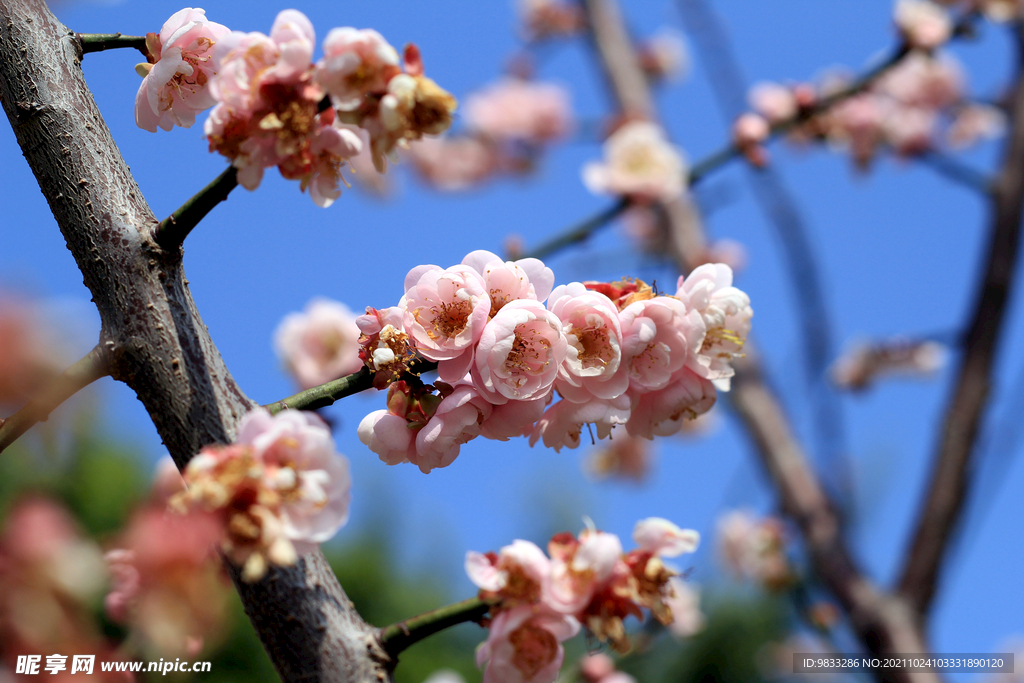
(157, 340)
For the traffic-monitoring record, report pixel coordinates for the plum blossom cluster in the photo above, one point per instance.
(917, 106)
(616, 354)
(271, 99)
(588, 581)
(279, 490)
(508, 126)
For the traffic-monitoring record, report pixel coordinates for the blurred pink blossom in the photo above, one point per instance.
(320, 344)
(923, 23)
(520, 110)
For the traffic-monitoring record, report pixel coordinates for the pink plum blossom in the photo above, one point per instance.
(507, 281)
(319, 344)
(524, 645)
(514, 109)
(773, 101)
(562, 424)
(445, 311)
(302, 465)
(639, 163)
(658, 336)
(279, 491)
(922, 80)
(355, 62)
(453, 163)
(663, 412)
(518, 573)
(923, 23)
(175, 83)
(659, 536)
(268, 112)
(725, 312)
(519, 352)
(514, 418)
(749, 133)
(580, 567)
(592, 367)
(388, 436)
(457, 420)
(622, 456)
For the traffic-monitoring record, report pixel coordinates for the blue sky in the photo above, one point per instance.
(899, 250)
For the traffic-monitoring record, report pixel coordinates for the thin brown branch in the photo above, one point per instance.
(885, 624)
(950, 477)
(91, 367)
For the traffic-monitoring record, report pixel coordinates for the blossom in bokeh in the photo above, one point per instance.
(51, 577)
(175, 79)
(550, 18)
(749, 133)
(622, 456)
(640, 163)
(279, 490)
(453, 163)
(168, 586)
(598, 667)
(26, 352)
(664, 55)
(923, 23)
(864, 364)
(319, 344)
(514, 109)
(754, 549)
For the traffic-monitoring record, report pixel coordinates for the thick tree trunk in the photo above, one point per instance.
(159, 344)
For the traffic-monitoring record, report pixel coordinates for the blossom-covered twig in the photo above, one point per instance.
(173, 230)
(97, 42)
(399, 636)
(326, 394)
(94, 365)
(947, 489)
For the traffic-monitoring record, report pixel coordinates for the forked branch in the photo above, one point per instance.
(91, 367)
